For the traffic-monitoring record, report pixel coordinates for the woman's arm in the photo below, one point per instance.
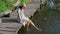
(20, 16)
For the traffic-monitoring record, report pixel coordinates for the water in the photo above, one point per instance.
(47, 19)
(51, 4)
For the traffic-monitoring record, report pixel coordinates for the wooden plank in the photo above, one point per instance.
(4, 32)
(11, 28)
(15, 25)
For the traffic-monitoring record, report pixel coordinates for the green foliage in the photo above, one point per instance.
(24, 1)
(8, 4)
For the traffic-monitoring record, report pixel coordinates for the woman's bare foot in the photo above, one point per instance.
(28, 29)
(38, 29)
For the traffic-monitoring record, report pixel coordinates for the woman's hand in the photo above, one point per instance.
(21, 21)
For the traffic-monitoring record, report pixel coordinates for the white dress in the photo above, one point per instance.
(22, 16)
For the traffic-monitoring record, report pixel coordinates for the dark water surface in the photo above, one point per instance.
(47, 19)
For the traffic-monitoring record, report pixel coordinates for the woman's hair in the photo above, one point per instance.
(20, 7)
(15, 8)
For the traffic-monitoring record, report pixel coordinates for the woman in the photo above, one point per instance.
(23, 19)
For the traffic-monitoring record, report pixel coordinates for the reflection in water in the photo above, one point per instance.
(51, 3)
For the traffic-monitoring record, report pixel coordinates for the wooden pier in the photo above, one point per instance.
(9, 26)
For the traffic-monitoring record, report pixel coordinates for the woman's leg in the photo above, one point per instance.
(30, 22)
(28, 26)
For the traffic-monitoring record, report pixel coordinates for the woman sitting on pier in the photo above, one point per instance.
(23, 19)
